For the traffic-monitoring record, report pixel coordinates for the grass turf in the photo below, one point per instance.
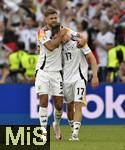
(91, 138)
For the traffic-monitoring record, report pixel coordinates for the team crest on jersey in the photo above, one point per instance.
(41, 34)
(39, 87)
(74, 37)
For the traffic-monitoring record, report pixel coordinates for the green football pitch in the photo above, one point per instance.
(91, 138)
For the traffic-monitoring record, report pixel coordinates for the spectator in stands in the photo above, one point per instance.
(28, 33)
(4, 70)
(4, 73)
(2, 28)
(16, 69)
(29, 63)
(81, 10)
(116, 55)
(10, 40)
(120, 34)
(93, 8)
(2, 14)
(93, 30)
(68, 19)
(15, 20)
(109, 17)
(104, 41)
(121, 73)
(82, 27)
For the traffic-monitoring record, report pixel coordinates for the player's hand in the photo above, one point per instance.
(63, 31)
(56, 35)
(81, 41)
(66, 38)
(95, 82)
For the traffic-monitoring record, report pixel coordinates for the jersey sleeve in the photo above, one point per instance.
(86, 50)
(43, 36)
(72, 34)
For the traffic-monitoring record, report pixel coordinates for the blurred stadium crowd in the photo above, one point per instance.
(102, 22)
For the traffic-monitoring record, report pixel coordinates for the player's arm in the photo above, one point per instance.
(53, 43)
(92, 61)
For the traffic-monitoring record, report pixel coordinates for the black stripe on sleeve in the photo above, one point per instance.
(44, 62)
(61, 73)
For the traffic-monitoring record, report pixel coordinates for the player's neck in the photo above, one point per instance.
(48, 27)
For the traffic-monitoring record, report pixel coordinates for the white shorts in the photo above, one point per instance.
(49, 83)
(75, 91)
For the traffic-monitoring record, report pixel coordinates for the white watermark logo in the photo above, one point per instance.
(26, 131)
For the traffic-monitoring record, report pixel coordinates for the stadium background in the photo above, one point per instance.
(19, 21)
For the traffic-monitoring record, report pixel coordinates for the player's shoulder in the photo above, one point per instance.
(73, 34)
(43, 29)
(43, 32)
(70, 31)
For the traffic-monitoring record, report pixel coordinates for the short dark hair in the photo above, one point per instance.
(55, 29)
(50, 11)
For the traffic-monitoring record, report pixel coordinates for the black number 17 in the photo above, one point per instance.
(80, 91)
(68, 56)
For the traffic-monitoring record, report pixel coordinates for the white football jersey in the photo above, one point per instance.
(75, 66)
(48, 60)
